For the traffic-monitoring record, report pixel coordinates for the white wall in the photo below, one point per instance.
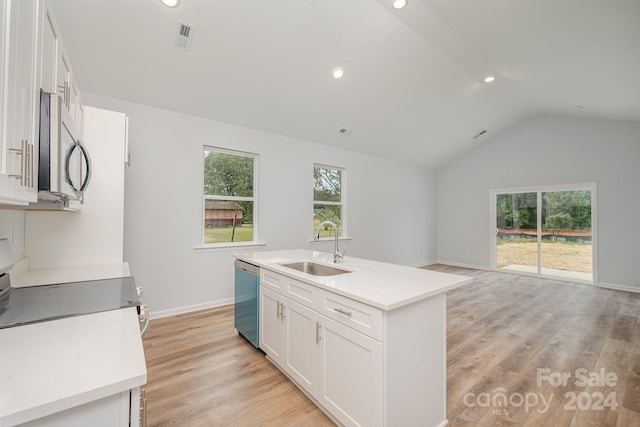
(93, 235)
(10, 218)
(391, 212)
(547, 151)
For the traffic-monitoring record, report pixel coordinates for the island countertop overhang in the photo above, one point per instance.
(382, 285)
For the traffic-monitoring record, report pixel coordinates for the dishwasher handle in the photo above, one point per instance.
(254, 270)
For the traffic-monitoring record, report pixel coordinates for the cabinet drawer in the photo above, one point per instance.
(356, 315)
(272, 280)
(301, 292)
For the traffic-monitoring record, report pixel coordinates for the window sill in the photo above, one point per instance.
(228, 247)
(330, 239)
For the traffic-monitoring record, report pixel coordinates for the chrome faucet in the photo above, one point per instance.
(337, 256)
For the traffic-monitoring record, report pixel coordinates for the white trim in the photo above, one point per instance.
(229, 151)
(423, 264)
(320, 202)
(343, 197)
(616, 287)
(516, 273)
(462, 265)
(227, 246)
(253, 199)
(190, 308)
(231, 198)
(329, 239)
(591, 186)
(558, 187)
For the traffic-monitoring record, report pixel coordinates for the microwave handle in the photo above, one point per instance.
(87, 160)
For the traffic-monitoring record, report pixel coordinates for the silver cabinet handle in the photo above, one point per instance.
(143, 407)
(66, 92)
(22, 152)
(341, 311)
(29, 178)
(318, 338)
(278, 311)
(282, 315)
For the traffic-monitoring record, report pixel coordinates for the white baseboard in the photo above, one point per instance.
(613, 286)
(190, 308)
(617, 287)
(423, 264)
(462, 265)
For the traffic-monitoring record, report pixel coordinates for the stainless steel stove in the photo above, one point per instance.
(21, 306)
(25, 305)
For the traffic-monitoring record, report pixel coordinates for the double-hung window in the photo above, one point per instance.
(329, 199)
(229, 197)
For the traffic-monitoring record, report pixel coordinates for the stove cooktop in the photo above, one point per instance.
(21, 306)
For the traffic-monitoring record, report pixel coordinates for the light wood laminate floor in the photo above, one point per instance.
(500, 330)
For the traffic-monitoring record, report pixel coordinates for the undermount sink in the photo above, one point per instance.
(315, 269)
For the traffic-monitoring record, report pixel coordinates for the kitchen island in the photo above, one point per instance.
(367, 345)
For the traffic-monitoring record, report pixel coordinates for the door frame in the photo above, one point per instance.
(592, 186)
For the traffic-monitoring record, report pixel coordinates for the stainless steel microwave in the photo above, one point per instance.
(64, 167)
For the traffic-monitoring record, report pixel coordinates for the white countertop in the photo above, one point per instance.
(52, 366)
(22, 276)
(382, 285)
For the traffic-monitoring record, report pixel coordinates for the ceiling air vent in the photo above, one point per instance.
(184, 35)
(479, 134)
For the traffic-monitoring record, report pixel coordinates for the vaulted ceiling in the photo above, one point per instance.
(413, 86)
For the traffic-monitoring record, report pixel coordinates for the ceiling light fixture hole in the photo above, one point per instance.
(337, 73)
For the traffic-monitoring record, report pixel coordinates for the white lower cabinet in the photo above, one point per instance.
(288, 334)
(271, 325)
(335, 364)
(362, 365)
(301, 345)
(350, 375)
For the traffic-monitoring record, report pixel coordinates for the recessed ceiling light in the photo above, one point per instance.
(399, 4)
(337, 73)
(170, 3)
(489, 79)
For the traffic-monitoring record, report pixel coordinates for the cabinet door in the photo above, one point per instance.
(350, 374)
(63, 76)
(49, 50)
(271, 325)
(80, 115)
(301, 345)
(22, 132)
(6, 182)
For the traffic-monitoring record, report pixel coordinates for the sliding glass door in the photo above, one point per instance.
(517, 230)
(545, 231)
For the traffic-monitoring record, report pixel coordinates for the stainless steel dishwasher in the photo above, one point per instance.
(246, 314)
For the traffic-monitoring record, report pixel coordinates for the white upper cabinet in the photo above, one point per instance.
(21, 91)
(49, 51)
(57, 73)
(32, 57)
(6, 182)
